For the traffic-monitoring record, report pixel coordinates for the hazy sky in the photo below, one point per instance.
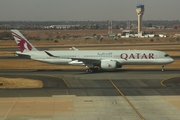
(93, 10)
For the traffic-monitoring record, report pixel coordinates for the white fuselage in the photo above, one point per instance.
(124, 57)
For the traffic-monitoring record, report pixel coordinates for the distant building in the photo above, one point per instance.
(113, 35)
(176, 35)
(61, 26)
(127, 34)
(176, 26)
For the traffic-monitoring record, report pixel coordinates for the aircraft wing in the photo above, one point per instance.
(51, 55)
(84, 60)
(87, 60)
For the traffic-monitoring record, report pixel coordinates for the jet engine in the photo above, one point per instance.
(109, 65)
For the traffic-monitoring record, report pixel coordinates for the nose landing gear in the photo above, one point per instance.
(163, 67)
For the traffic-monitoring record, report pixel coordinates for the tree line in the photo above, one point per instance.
(6, 25)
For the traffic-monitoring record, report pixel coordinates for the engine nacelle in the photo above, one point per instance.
(109, 65)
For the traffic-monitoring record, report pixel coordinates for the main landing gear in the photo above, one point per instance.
(91, 70)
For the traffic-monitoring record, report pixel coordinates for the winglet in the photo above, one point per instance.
(49, 54)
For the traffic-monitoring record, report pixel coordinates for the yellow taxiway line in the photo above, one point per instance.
(166, 80)
(126, 99)
(66, 82)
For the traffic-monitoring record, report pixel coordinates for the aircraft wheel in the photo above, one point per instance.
(90, 70)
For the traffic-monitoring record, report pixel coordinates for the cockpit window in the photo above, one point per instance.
(166, 55)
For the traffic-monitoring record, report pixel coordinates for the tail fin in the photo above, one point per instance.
(22, 42)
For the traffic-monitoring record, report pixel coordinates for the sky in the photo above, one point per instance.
(83, 10)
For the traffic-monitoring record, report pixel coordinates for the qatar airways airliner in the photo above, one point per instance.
(94, 60)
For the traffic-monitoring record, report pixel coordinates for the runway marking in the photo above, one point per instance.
(66, 82)
(10, 109)
(165, 80)
(126, 99)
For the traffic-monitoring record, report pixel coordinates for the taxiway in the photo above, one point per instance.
(76, 95)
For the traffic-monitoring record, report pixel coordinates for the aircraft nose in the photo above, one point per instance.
(171, 60)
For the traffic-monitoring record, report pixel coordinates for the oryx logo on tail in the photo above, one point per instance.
(22, 43)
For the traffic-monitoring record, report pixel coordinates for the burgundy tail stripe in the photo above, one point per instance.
(17, 36)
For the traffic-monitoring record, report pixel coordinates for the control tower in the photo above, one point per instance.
(140, 12)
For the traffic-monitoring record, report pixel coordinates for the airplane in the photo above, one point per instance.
(94, 60)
